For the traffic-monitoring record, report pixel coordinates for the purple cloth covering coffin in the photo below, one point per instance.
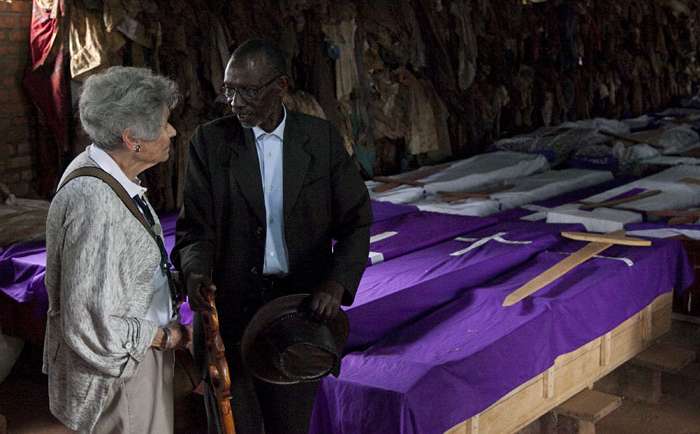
(463, 357)
(410, 232)
(22, 266)
(394, 293)
(22, 271)
(386, 210)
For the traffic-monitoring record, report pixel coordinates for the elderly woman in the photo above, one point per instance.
(110, 334)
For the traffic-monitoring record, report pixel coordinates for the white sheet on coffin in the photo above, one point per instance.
(466, 174)
(674, 194)
(548, 184)
(596, 220)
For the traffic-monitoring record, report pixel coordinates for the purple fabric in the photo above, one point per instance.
(394, 293)
(628, 193)
(22, 266)
(386, 210)
(464, 356)
(572, 196)
(22, 269)
(419, 230)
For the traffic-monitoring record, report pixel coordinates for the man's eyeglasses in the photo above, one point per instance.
(247, 93)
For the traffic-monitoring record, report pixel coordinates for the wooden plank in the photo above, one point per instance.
(549, 378)
(646, 323)
(649, 137)
(605, 349)
(554, 272)
(617, 237)
(599, 242)
(665, 358)
(483, 193)
(589, 405)
(675, 213)
(690, 181)
(410, 179)
(390, 183)
(574, 372)
(615, 202)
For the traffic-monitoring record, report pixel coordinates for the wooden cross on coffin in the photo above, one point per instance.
(597, 243)
(483, 193)
(679, 216)
(411, 179)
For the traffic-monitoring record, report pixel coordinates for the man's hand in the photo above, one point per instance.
(325, 300)
(197, 284)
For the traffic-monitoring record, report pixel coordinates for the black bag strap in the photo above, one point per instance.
(118, 189)
(127, 200)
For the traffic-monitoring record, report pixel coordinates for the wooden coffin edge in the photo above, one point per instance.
(572, 372)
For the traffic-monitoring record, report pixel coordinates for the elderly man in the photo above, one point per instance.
(267, 191)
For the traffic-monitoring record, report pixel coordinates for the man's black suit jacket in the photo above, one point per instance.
(221, 228)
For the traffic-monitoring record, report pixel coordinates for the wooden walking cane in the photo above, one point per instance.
(598, 243)
(217, 366)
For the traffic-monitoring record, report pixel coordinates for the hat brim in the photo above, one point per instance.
(257, 356)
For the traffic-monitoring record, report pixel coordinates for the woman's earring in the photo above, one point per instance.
(137, 148)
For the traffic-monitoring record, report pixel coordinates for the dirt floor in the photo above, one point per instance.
(24, 401)
(678, 411)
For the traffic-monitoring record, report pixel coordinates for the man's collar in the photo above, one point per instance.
(278, 132)
(107, 163)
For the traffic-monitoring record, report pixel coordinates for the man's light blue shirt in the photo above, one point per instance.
(270, 156)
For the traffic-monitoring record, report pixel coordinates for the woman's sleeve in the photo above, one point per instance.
(91, 286)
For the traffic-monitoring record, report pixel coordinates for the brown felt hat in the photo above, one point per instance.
(283, 344)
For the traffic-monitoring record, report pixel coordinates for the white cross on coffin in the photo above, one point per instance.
(478, 242)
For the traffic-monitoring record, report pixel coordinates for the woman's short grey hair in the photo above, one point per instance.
(122, 98)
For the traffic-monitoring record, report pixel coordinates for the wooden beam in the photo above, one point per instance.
(555, 272)
(484, 193)
(616, 237)
(665, 358)
(390, 183)
(589, 405)
(410, 179)
(615, 202)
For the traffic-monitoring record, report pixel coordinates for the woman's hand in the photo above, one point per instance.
(179, 336)
(186, 342)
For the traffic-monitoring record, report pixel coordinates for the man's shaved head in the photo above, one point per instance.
(263, 53)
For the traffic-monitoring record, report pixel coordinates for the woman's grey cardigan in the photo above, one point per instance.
(99, 269)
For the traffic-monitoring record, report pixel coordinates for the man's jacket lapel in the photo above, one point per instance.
(295, 161)
(245, 170)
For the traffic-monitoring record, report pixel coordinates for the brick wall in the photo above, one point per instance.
(17, 117)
